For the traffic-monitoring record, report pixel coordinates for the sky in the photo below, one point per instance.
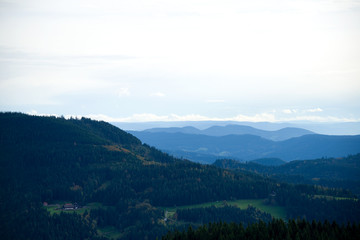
(182, 60)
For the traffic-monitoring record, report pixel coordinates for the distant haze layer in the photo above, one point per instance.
(346, 128)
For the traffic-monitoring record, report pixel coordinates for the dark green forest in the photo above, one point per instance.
(53, 160)
(275, 229)
(341, 172)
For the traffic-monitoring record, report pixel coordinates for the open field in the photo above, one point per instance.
(275, 211)
(109, 232)
(56, 208)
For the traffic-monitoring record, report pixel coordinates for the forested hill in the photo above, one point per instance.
(55, 161)
(21, 128)
(330, 172)
(337, 169)
(49, 159)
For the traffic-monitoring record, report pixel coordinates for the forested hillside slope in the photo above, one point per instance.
(330, 172)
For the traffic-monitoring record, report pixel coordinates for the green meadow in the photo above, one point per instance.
(274, 210)
(56, 208)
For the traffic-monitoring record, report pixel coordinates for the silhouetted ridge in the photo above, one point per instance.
(232, 129)
(17, 127)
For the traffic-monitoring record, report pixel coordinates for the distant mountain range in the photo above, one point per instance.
(246, 143)
(338, 128)
(279, 135)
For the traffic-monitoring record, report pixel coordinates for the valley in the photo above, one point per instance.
(260, 204)
(229, 142)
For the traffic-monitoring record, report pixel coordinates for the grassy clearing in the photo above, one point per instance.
(109, 232)
(53, 208)
(56, 208)
(275, 211)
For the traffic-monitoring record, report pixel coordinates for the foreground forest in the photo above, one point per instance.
(52, 161)
(275, 229)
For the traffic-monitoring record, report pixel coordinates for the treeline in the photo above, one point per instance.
(182, 183)
(135, 220)
(317, 203)
(327, 172)
(222, 214)
(276, 230)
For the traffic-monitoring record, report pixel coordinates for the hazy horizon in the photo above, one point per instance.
(347, 128)
(147, 61)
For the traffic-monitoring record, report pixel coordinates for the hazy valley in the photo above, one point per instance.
(245, 143)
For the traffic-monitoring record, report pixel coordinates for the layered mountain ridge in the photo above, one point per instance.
(232, 129)
(246, 147)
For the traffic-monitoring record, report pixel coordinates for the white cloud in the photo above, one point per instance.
(293, 111)
(324, 119)
(16, 56)
(48, 87)
(144, 117)
(215, 101)
(101, 117)
(189, 117)
(290, 51)
(313, 110)
(262, 117)
(157, 94)
(289, 111)
(124, 92)
(35, 113)
(150, 117)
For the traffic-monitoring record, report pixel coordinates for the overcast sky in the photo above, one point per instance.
(133, 60)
